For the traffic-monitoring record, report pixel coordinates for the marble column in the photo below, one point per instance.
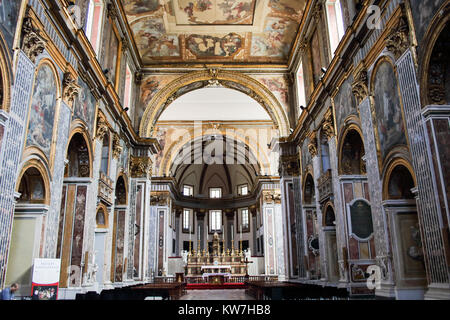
(12, 141)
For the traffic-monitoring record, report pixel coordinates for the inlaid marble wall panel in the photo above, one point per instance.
(138, 233)
(119, 245)
(78, 230)
(11, 150)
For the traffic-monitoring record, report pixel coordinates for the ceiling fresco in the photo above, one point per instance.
(247, 31)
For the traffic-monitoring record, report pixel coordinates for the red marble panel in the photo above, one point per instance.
(120, 236)
(442, 134)
(78, 230)
(373, 253)
(366, 191)
(353, 248)
(348, 192)
(137, 242)
(62, 212)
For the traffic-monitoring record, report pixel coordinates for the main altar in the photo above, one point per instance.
(221, 263)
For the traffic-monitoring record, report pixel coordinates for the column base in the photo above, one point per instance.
(437, 292)
(387, 291)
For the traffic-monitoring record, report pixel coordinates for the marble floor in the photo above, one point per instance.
(229, 294)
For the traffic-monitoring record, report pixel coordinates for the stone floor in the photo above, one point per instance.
(229, 294)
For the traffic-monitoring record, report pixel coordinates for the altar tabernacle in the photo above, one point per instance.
(221, 263)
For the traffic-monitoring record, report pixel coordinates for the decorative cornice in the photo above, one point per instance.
(360, 86)
(70, 88)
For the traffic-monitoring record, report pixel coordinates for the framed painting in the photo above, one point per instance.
(43, 109)
(389, 124)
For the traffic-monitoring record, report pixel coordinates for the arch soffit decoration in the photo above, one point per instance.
(256, 90)
(78, 127)
(39, 165)
(172, 152)
(435, 28)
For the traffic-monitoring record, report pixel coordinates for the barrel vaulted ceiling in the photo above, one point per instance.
(211, 31)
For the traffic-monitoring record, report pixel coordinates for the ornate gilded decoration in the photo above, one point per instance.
(70, 88)
(33, 44)
(105, 189)
(272, 196)
(289, 166)
(312, 145)
(398, 39)
(159, 198)
(116, 147)
(327, 126)
(111, 11)
(360, 86)
(102, 127)
(125, 44)
(140, 167)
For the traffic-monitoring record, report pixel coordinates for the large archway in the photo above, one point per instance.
(201, 79)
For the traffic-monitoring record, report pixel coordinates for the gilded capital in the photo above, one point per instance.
(33, 44)
(360, 87)
(116, 147)
(140, 167)
(398, 39)
(102, 127)
(70, 88)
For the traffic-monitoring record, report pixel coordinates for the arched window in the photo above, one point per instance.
(335, 23)
(324, 152)
(301, 88)
(128, 87)
(94, 23)
(105, 155)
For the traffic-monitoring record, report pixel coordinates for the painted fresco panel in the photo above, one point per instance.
(278, 86)
(207, 45)
(344, 103)
(136, 7)
(85, 106)
(42, 113)
(389, 120)
(216, 12)
(276, 41)
(152, 40)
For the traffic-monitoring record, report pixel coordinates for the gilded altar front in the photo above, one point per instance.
(220, 261)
